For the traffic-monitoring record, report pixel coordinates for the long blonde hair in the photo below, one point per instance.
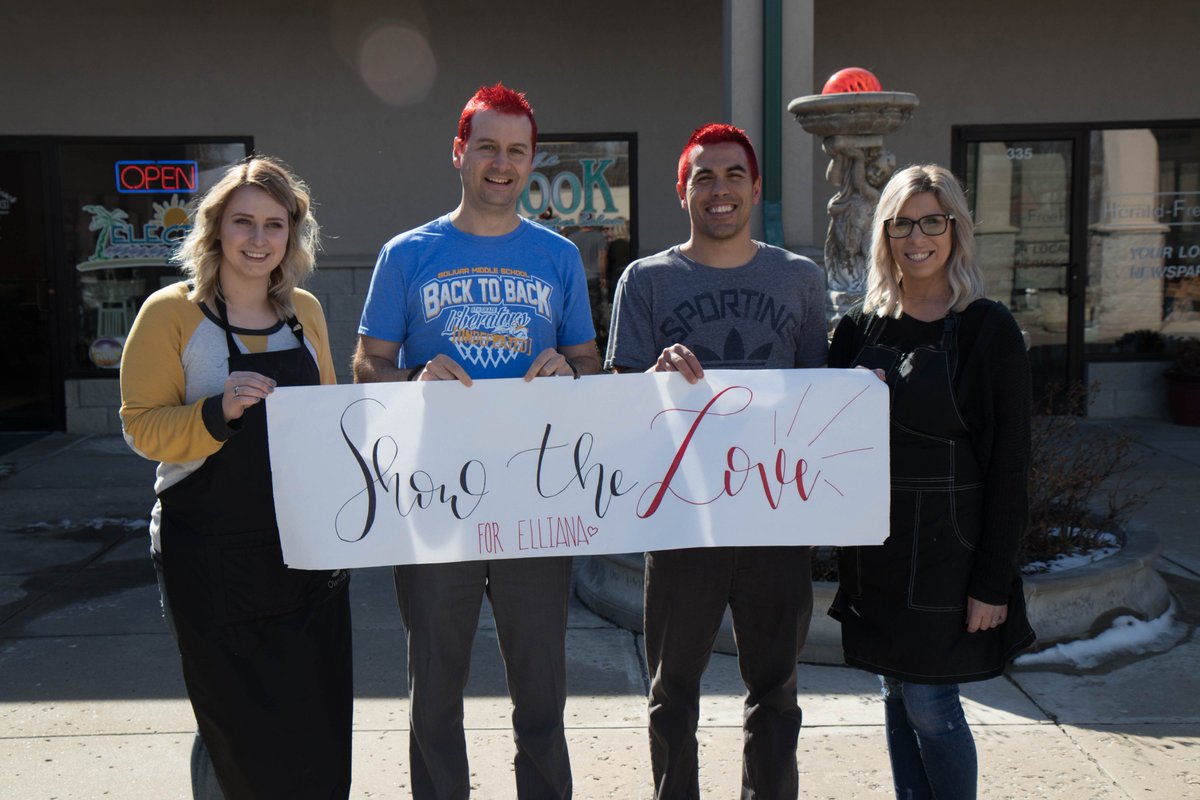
(200, 253)
(883, 276)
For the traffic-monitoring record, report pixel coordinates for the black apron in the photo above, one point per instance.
(903, 604)
(266, 649)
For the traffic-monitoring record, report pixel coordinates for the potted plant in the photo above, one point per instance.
(1183, 384)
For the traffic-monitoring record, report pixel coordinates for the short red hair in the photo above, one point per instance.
(495, 98)
(715, 133)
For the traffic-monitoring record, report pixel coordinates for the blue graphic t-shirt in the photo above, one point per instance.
(492, 303)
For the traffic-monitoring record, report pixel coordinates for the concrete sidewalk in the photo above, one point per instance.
(92, 701)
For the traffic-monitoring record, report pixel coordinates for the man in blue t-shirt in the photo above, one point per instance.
(482, 293)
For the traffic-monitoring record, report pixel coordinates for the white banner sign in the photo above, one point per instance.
(426, 472)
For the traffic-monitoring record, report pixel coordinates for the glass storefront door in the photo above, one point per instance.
(27, 324)
(1025, 194)
(1090, 234)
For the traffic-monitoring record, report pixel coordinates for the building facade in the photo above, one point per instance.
(1079, 140)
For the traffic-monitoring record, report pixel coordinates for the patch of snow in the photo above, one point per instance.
(1063, 561)
(95, 524)
(61, 525)
(1109, 544)
(128, 524)
(1128, 636)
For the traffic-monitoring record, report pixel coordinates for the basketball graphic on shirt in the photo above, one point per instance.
(487, 311)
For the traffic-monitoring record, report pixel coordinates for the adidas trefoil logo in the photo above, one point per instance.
(735, 354)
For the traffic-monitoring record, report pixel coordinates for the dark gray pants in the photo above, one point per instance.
(769, 590)
(440, 605)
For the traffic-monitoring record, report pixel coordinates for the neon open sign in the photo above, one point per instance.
(153, 177)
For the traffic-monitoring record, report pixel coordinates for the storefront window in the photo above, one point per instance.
(585, 188)
(1143, 234)
(124, 211)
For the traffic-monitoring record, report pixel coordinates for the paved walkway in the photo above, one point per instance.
(92, 702)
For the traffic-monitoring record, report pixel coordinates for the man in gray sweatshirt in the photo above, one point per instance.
(722, 300)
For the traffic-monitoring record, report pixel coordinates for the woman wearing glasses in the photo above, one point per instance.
(940, 602)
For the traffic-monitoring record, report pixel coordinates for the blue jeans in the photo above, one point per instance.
(929, 742)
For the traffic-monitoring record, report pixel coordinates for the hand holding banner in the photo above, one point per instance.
(399, 473)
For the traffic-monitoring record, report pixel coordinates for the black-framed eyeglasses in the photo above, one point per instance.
(930, 225)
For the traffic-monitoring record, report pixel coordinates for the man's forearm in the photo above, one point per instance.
(587, 364)
(374, 369)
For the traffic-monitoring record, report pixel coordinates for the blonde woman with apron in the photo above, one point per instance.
(940, 602)
(266, 650)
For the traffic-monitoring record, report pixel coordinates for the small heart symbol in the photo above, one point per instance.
(592, 530)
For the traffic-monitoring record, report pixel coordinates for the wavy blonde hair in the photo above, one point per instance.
(200, 253)
(883, 276)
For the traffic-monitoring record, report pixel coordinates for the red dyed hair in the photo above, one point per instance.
(495, 98)
(715, 133)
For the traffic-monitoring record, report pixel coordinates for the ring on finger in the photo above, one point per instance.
(237, 390)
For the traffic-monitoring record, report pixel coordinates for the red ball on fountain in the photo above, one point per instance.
(852, 79)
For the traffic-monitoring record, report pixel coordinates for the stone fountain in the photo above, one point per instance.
(852, 126)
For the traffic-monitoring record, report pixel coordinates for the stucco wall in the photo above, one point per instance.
(362, 98)
(290, 74)
(1023, 61)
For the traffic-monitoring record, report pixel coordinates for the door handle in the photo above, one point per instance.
(1072, 280)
